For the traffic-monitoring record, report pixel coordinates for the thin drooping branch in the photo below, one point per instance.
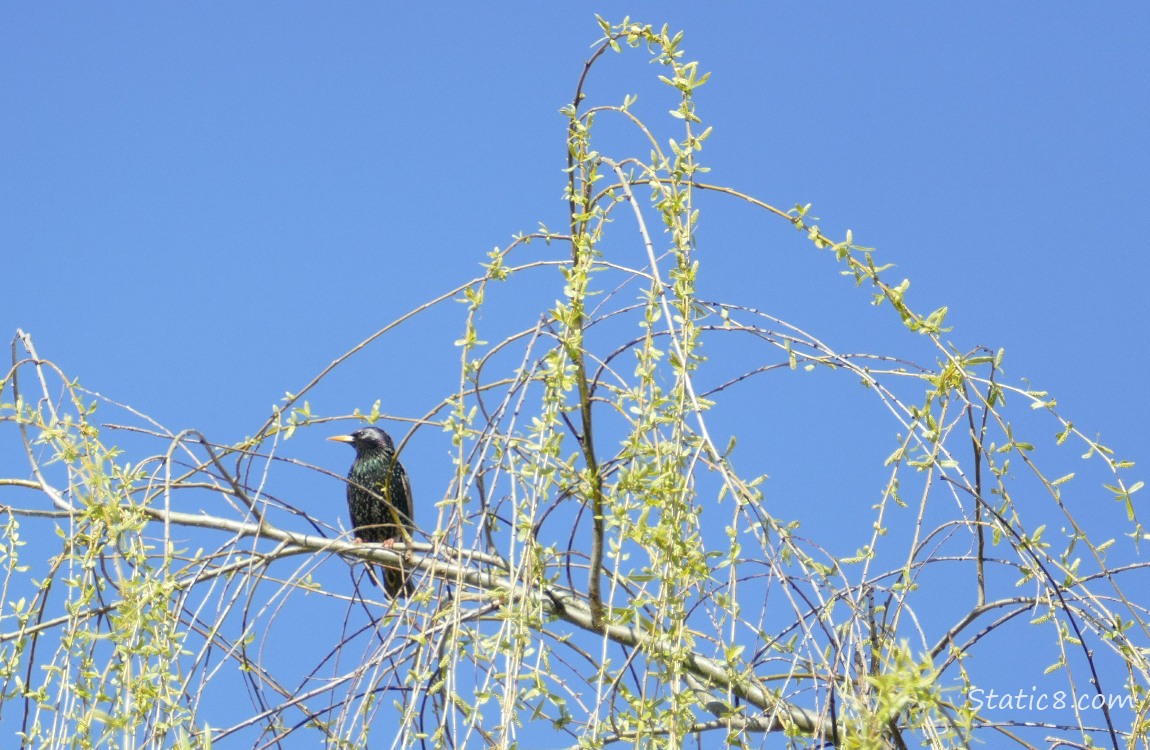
(582, 248)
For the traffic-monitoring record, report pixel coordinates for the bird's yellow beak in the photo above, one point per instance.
(342, 438)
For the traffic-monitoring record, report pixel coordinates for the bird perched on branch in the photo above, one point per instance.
(379, 500)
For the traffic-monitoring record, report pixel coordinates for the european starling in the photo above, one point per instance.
(379, 499)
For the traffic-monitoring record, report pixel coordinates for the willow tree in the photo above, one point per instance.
(595, 568)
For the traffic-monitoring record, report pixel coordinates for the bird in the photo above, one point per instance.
(379, 500)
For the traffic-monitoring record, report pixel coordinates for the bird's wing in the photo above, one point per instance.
(408, 511)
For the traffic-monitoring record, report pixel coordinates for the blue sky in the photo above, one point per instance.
(188, 189)
(202, 205)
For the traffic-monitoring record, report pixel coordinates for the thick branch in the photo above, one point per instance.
(558, 602)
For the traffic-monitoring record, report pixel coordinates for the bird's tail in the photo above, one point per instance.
(396, 583)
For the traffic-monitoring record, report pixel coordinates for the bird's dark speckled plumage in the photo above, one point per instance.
(379, 498)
